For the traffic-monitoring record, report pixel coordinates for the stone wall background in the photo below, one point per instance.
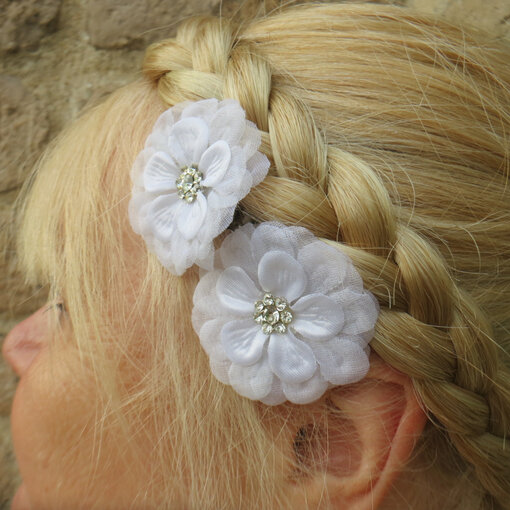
(58, 55)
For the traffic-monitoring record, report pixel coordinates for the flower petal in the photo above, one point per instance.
(220, 364)
(210, 334)
(317, 317)
(243, 341)
(254, 381)
(325, 266)
(341, 360)
(235, 250)
(291, 359)
(228, 123)
(160, 173)
(190, 135)
(276, 236)
(306, 391)
(275, 396)
(282, 275)
(361, 310)
(204, 109)
(160, 215)
(214, 163)
(190, 217)
(206, 304)
(236, 290)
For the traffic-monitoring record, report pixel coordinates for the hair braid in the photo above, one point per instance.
(429, 327)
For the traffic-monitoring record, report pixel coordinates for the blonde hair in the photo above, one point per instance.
(388, 136)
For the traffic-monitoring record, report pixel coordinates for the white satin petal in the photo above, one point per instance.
(282, 275)
(243, 341)
(160, 215)
(291, 359)
(306, 392)
(317, 317)
(214, 163)
(160, 173)
(236, 291)
(191, 135)
(191, 216)
(341, 360)
(254, 381)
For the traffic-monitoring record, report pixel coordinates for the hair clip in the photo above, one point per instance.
(283, 316)
(200, 160)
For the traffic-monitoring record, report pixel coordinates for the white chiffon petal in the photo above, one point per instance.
(160, 215)
(228, 123)
(236, 251)
(210, 334)
(160, 173)
(191, 134)
(190, 216)
(341, 360)
(220, 364)
(291, 359)
(243, 341)
(317, 317)
(214, 163)
(205, 109)
(236, 290)
(324, 265)
(360, 310)
(254, 381)
(275, 396)
(282, 275)
(306, 392)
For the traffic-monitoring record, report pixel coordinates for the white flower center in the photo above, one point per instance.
(273, 314)
(188, 183)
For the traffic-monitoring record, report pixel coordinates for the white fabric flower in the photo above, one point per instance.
(199, 161)
(284, 316)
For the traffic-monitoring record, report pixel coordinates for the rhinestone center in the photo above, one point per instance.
(189, 183)
(273, 314)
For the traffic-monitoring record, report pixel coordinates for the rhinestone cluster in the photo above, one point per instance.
(273, 314)
(188, 183)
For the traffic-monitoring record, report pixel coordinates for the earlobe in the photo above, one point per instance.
(367, 438)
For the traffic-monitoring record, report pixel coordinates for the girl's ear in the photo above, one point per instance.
(352, 457)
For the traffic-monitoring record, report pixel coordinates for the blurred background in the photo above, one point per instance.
(57, 56)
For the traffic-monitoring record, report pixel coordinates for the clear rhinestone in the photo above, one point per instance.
(189, 183)
(273, 318)
(267, 328)
(280, 328)
(268, 299)
(272, 313)
(280, 304)
(286, 317)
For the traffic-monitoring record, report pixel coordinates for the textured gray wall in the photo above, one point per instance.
(55, 57)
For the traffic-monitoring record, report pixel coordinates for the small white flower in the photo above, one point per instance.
(199, 161)
(284, 316)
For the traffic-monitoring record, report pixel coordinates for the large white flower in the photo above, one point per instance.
(199, 161)
(284, 316)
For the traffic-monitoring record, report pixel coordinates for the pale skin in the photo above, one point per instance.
(64, 465)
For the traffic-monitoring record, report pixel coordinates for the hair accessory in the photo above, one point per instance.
(199, 161)
(283, 316)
